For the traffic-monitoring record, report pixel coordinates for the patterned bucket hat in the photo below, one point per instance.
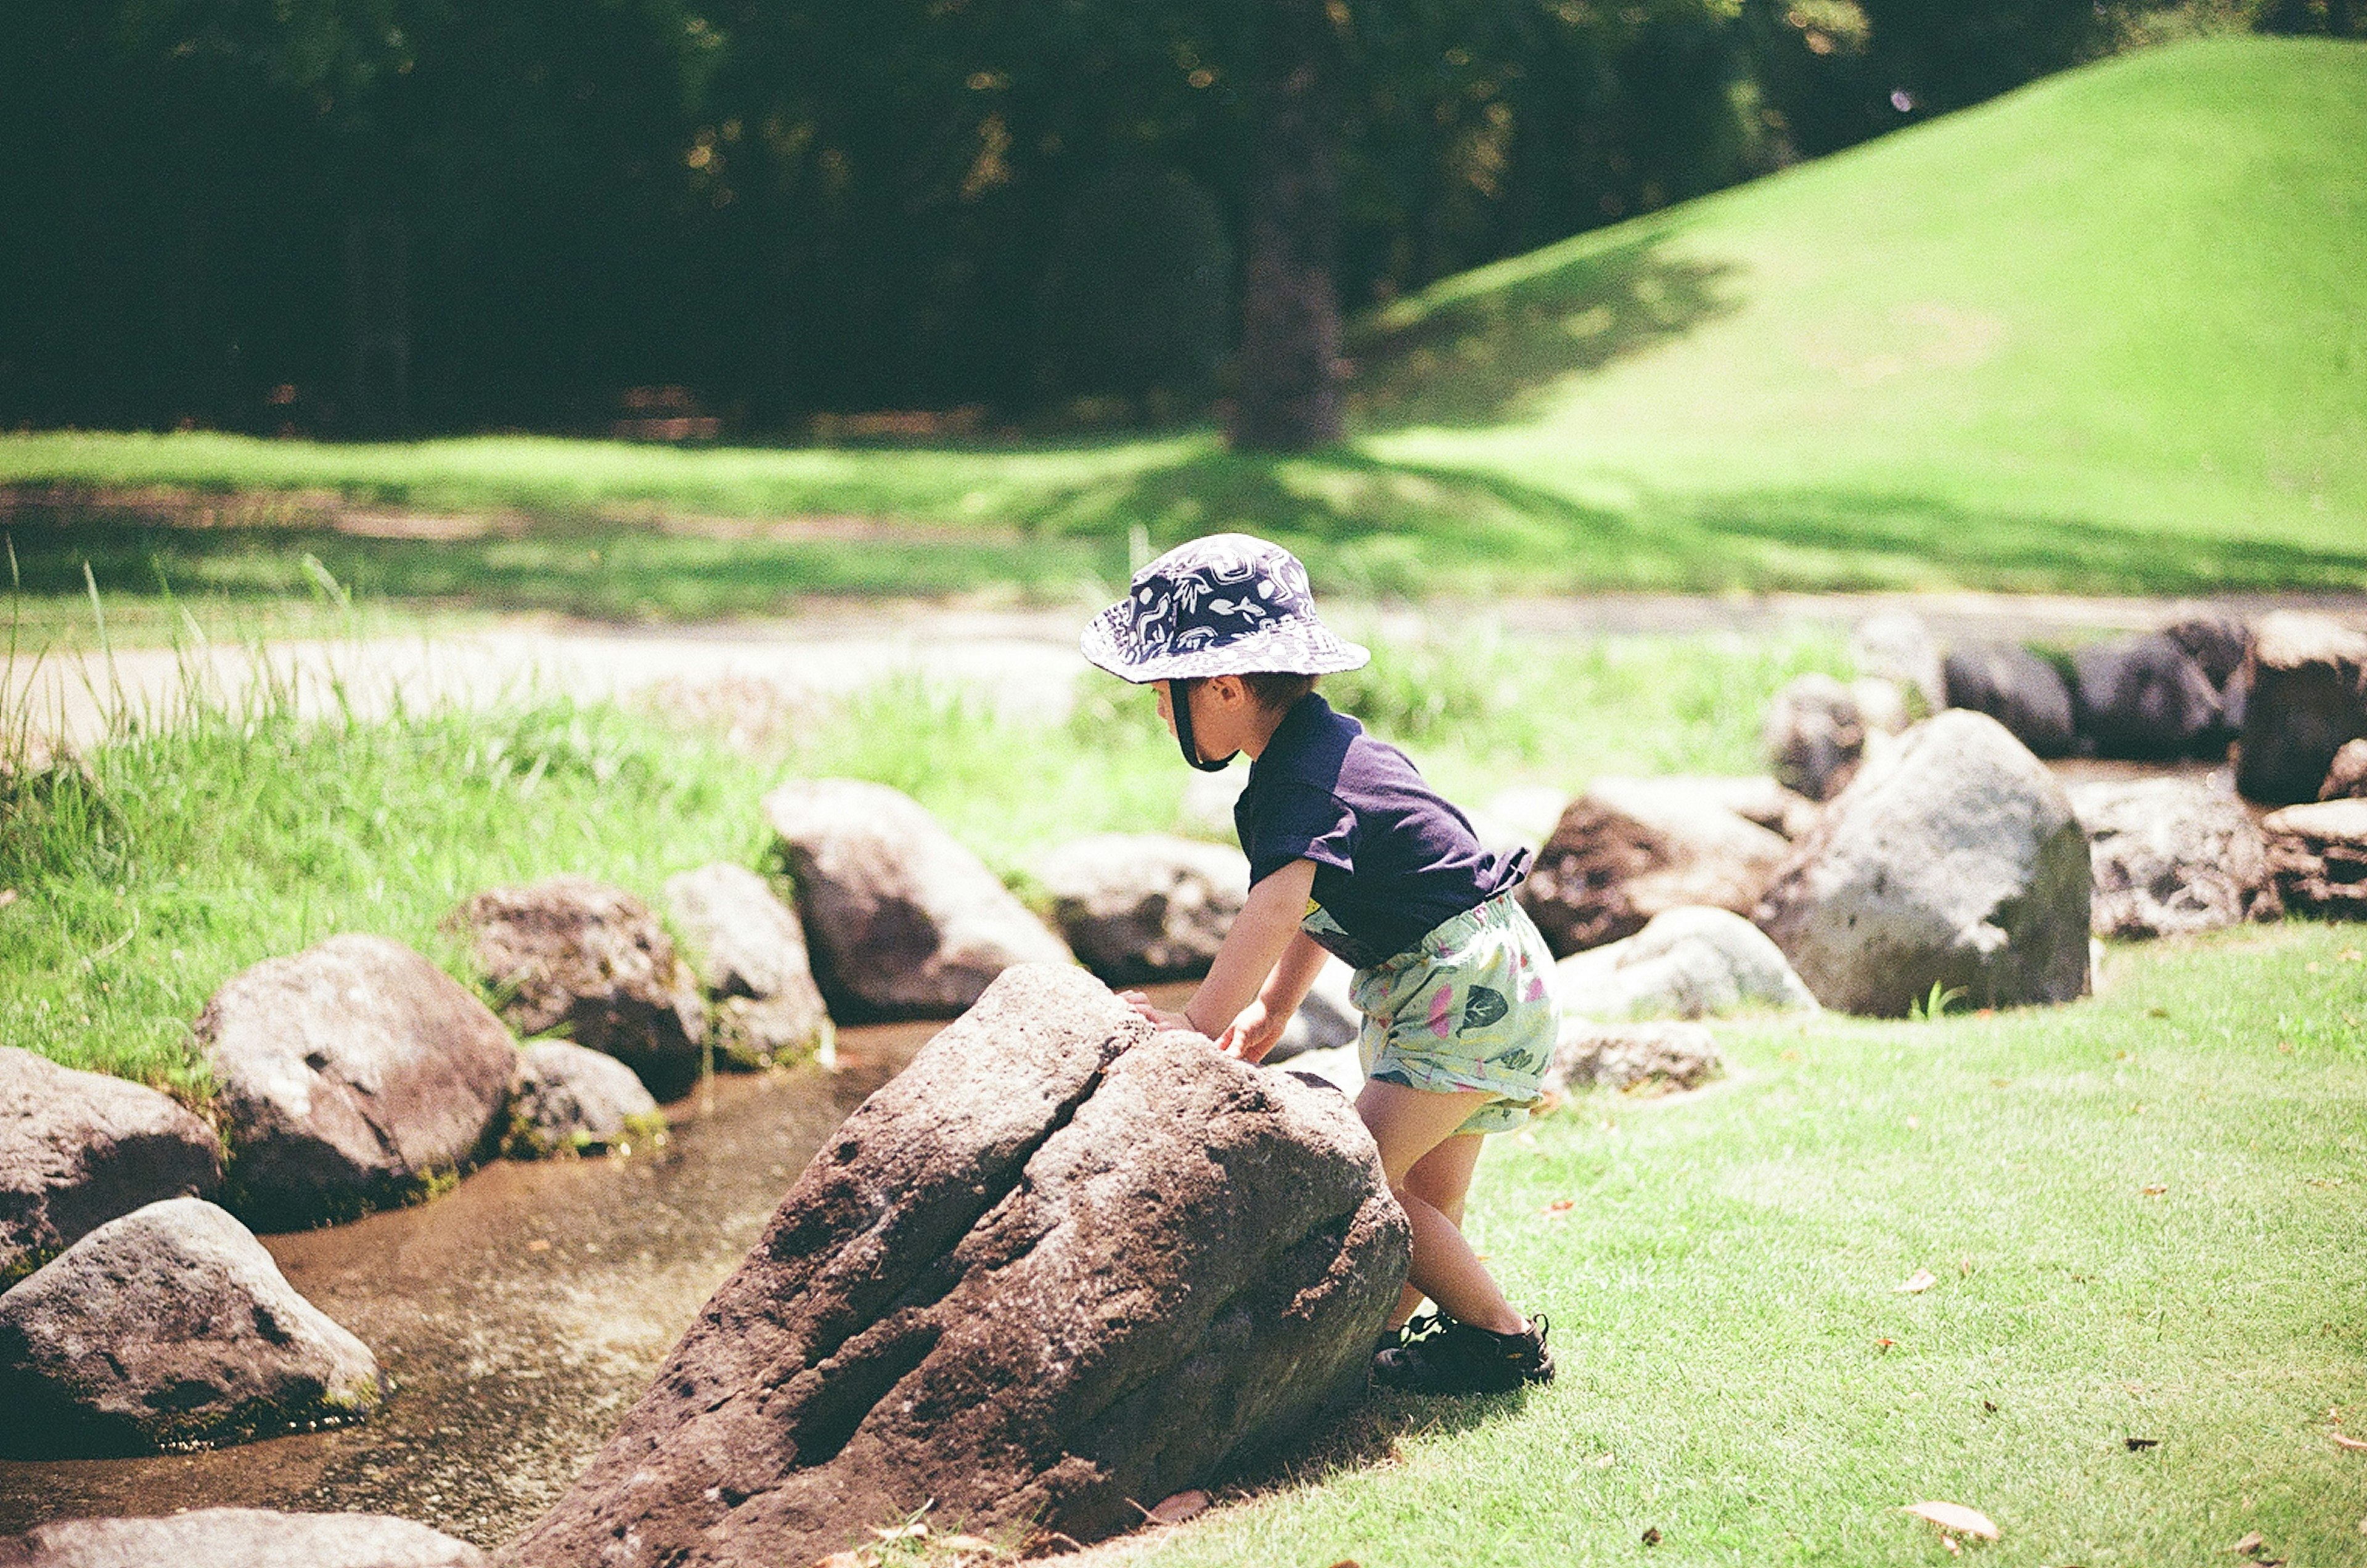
(1226, 604)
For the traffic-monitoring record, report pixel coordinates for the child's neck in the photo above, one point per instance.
(1261, 726)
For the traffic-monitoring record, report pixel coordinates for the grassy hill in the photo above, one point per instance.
(2107, 333)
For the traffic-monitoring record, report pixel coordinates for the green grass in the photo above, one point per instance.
(1739, 1373)
(2108, 333)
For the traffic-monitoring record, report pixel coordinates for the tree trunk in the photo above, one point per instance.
(1289, 398)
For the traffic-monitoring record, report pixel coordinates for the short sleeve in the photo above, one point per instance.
(1299, 822)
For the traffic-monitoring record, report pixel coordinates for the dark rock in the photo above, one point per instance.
(1631, 1057)
(2346, 777)
(1327, 1017)
(2217, 643)
(78, 1149)
(2143, 697)
(1951, 860)
(749, 953)
(569, 1099)
(1625, 852)
(1143, 907)
(2171, 856)
(903, 922)
(238, 1538)
(1057, 1264)
(2319, 855)
(170, 1325)
(1686, 964)
(2017, 689)
(350, 1075)
(1814, 736)
(575, 953)
(2308, 699)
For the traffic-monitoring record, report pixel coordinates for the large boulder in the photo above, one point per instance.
(1632, 1058)
(170, 1325)
(905, 922)
(2318, 855)
(2308, 679)
(238, 1538)
(1625, 851)
(2143, 697)
(2171, 856)
(2346, 776)
(569, 952)
(1057, 1264)
(1953, 860)
(1142, 906)
(1814, 736)
(78, 1149)
(2017, 689)
(748, 953)
(348, 1077)
(569, 1099)
(1688, 962)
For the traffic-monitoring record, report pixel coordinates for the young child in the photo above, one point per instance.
(1350, 853)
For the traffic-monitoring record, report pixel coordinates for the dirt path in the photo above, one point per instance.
(749, 674)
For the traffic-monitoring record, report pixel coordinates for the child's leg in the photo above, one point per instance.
(1441, 1178)
(1408, 1124)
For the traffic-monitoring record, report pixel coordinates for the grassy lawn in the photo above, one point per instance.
(2106, 335)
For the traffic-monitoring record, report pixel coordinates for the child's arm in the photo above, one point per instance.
(1255, 1028)
(1262, 933)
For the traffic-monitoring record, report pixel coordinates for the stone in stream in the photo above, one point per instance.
(170, 1325)
(570, 952)
(903, 922)
(1057, 1263)
(2171, 856)
(1631, 1057)
(2143, 697)
(2017, 689)
(1626, 851)
(238, 1538)
(1814, 736)
(2308, 698)
(1144, 907)
(2319, 855)
(2346, 776)
(77, 1149)
(748, 953)
(348, 1077)
(569, 1099)
(1953, 860)
(1688, 962)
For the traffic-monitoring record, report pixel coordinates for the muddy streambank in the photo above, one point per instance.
(519, 1317)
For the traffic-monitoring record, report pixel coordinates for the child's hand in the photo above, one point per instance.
(1252, 1034)
(1155, 1018)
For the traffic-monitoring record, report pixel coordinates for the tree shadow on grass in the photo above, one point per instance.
(1485, 357)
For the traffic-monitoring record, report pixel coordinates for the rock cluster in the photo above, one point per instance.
(2346, 776)
(749, 953)
(1057, 1264)
(2309, 700)
(2017, 689)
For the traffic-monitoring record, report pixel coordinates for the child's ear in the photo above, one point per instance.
(1228, 689)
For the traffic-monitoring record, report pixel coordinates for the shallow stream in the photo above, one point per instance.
(518, 1317)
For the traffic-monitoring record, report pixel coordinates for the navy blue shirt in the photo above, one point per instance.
(1392, 857)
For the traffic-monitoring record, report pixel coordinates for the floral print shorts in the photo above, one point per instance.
(1470, 1007)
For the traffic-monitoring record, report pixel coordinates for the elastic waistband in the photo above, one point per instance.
(1497, 914)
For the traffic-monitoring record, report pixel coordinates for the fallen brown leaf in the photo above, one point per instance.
(1558, 1207)
(2352, 1443)
(1915, 1284)
(1954, 1518)
(2153, 1191)
(1182, 1506)
(1882, 1347)
(1651, 1535)
(2249, 1544)
(539, 1244)
(1347, 1562)
(840, 1559)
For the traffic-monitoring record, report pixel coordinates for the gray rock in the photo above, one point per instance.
(170, 1325)
(1626, 851)
(1757, 798)
(1953, 860)
(1206, 809)
(1057, 1264)
(350, 1075)
(77, 1149)
(1326, 1021)
(905, 922)
(2217, 643)
(569, 1099)
(2319, 855)
(2309, 680)
(238, 1538)
(1665, 1058)
(1882, 704)
(2346, 776)
(1814, 736)
(1339, 1066)
(2171, 856)
(1896, 645)
(2143, 697)
(1144, 907)
(574, 954)
(1686, 964)
(2017, 689)
(748, 953)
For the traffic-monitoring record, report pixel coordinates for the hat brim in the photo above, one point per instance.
(1293, 647)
